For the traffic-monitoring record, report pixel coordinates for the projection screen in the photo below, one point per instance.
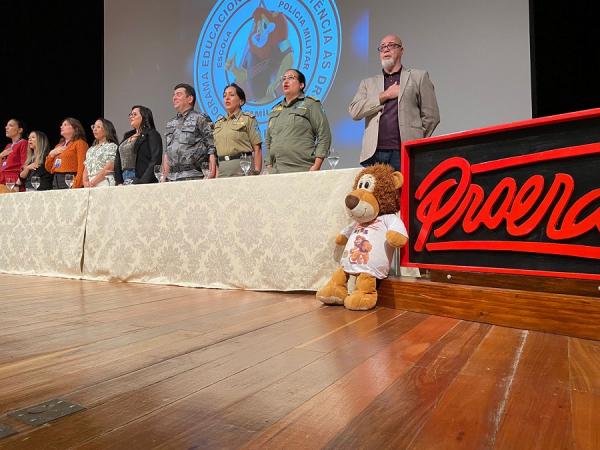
(476, 52)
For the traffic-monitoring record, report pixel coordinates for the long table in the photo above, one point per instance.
(42, 233)
(262, 232)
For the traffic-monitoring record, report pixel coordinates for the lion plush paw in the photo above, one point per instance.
(395, 239)
(332, 295)
(336, 290)
(365, 294)
(360, 301)
(340, 239)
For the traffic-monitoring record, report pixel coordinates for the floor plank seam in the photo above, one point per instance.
(341, 327)
(499, 414)
(133, 305)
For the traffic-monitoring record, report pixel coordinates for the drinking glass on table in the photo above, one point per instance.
(172, 176)
(69, 180)
(204, 166)
(333, 158)
(158, 172)
(10, 182)
(110, 178)
(35, 182)
(245, 162)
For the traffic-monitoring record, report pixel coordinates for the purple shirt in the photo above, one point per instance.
(389, 131)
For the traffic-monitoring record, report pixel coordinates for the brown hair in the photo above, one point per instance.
(385, 190)
(78, 131)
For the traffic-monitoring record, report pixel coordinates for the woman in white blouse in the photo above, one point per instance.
(100, 157)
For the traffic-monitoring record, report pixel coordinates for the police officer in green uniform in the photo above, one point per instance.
(236, 135)
(298, 136)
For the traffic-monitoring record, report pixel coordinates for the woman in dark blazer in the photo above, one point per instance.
(140, 150)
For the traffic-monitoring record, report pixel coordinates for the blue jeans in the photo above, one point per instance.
(128, 174)
(391, 157)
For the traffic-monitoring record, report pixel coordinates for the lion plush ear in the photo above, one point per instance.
(398, 180)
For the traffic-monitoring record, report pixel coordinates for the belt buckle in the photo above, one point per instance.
(227, 158)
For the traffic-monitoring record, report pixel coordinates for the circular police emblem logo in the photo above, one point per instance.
(253, 42)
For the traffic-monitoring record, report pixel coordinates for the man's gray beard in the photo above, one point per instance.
(387, 64)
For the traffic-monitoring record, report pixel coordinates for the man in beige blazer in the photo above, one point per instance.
(398, 105)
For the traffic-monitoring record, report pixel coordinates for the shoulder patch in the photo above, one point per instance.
(313, 98)
(248, 114)
(206, 116)
(277, 108)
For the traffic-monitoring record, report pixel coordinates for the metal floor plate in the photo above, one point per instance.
(5, 431)
(45, 412)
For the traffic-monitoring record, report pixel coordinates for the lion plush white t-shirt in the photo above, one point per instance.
(366, 249)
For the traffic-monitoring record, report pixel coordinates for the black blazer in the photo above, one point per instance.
(148, 148)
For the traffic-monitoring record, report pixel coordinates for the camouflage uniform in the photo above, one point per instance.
(298, 133)
(235, 135)
(189, 138)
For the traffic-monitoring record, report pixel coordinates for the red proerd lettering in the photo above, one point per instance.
(445, 203)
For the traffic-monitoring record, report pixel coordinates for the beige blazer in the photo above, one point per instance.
(418, 112)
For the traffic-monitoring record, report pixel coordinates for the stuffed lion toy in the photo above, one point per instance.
(370, 239)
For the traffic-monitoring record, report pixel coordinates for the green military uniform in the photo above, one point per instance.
(298, 132)
(233, 136)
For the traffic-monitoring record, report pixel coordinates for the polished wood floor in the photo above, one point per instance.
(171, 367)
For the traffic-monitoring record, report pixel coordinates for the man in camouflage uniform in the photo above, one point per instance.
(298, 136)
(189, 138)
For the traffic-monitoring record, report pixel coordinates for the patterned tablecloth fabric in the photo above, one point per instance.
(262, 232)
(42, 233)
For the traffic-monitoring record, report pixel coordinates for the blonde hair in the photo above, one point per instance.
(38, 155)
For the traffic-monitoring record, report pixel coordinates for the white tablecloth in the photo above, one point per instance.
(262, 232)
(41, 233)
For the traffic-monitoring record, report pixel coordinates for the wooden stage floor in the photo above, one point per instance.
(171, 367)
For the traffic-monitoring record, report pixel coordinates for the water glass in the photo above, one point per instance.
(158, 172)
(245, 162)
(10, 182)
(69, 180)
(110, 178)
(333, 158)
(205, 169)
(35, 182)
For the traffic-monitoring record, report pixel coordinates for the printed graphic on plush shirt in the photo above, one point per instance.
(366, 250)
(360, 253)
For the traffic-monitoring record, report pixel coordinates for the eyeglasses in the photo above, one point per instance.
(288, 77)
(389, 46)
(94, 127)
(133, 114)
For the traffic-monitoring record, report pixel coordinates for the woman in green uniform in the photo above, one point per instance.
(298, 136)
(236, 134)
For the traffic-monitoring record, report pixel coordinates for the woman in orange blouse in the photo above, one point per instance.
(68, 155)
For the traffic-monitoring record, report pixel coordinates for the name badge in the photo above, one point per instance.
(57, 163)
